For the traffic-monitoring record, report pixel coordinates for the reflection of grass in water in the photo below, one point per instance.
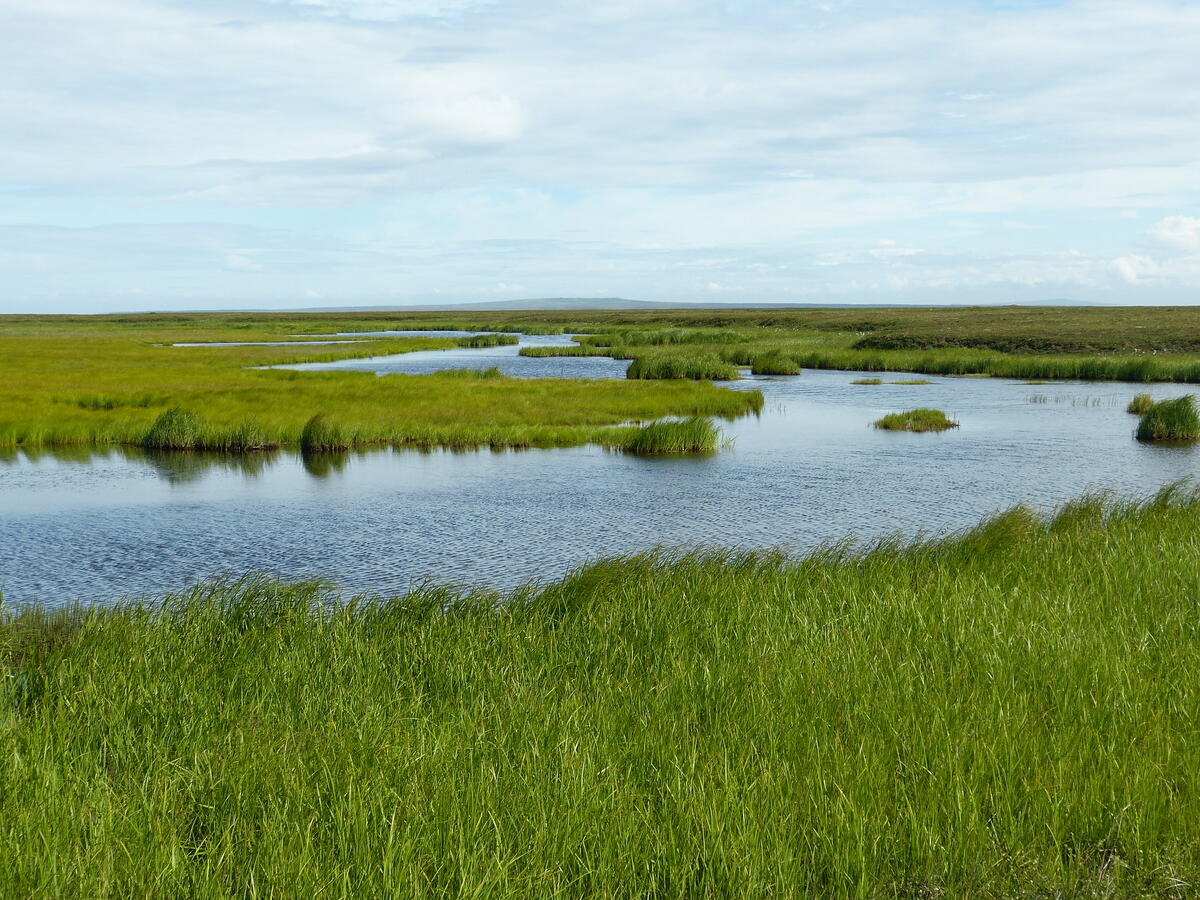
(1006, 713)
(1171, 420)
(919, 420)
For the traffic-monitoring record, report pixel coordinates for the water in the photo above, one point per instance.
(95, 527)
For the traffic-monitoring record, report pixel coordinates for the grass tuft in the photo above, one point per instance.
(1171, 420)
(1140, 404)
(693, 435)
(775, 363)
(919, 420)
(175, 429)
(867, 381)
(696, 366)
(322, 436)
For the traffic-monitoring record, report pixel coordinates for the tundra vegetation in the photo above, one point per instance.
(94, 382)
(1006, 713)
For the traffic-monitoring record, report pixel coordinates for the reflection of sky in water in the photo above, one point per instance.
(97, 526)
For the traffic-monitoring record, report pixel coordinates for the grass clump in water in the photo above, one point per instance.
(1140, 404)
(322, 436)
(775, 364)
(693, 435)
(914, 381)
(867, 381)
(175, 429)
(919, 420)
(1171, 420)
(698, 367)
(491, 372)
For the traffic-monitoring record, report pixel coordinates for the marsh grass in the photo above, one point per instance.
(1140, 404)
(775, 363)
(694, 366)
(1007, 713)
(867, 381)
(175, 429)
(1171, 420)
(918, 420)
(322, 436)
(695, 435)
(474, 374)
(102, 382)
(913, 381)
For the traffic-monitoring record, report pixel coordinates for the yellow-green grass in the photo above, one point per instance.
(1010, 713)
(919, 420)
(867, 381)
(95, 383)
(1140, 404)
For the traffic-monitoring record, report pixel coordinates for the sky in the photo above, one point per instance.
(163, 154)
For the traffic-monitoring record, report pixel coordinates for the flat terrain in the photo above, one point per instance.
(105, 380)
(95, 382)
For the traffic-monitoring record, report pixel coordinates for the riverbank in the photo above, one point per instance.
(1008, 712)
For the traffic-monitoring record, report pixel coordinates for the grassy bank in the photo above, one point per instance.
(1010, 713)
(99, 382)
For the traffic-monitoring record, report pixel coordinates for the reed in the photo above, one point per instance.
(919, 420)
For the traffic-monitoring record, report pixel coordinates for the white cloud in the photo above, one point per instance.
(1179, 231)
(1133, 268)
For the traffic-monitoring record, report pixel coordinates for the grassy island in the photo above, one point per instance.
(918, 420)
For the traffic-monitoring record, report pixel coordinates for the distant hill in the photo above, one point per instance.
(591, 303)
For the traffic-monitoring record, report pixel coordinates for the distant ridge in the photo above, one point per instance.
(598, 303)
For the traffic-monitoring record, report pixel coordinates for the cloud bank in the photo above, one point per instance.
(266, 152)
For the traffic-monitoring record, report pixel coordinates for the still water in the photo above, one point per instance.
(94, 527)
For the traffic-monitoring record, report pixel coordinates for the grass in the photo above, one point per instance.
(919, 420)
(1009, 713)
(695, 366)
(871, 381)
(689, 436)
(1140, 404)
(111, 381)
(774, 363)
(1171, 420)
(913, 381)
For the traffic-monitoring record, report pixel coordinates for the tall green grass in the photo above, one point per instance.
(1010, 713)
(695, 366)
(1171, 420)
(693, 435)
(774, 363)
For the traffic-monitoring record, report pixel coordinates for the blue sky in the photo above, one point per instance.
(292, 153)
